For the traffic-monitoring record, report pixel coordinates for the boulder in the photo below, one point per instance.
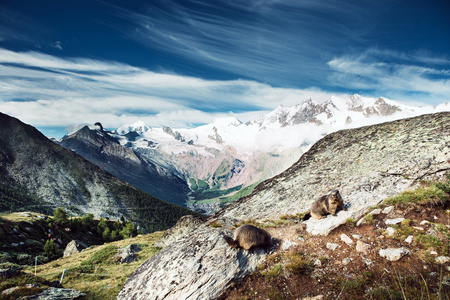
(74, 247)
(199, 266)
(127, 254)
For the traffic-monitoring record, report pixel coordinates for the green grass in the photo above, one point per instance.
(431, 195)
(273, 271)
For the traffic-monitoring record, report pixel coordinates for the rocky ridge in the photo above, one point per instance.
(366, 164)
(57, 177)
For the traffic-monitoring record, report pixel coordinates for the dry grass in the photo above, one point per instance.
(102, 280)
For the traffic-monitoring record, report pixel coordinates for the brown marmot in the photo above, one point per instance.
(249, 237)
(327, 204)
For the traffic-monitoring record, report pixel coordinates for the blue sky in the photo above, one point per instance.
(188, 62)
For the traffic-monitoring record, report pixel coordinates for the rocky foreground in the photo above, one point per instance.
(367, 165)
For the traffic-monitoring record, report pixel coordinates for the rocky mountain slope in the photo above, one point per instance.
(103, 149)
(217, 160)
(366, 164)
(54, 176)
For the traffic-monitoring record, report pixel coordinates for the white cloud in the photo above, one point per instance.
(395, 75)
(44, 90)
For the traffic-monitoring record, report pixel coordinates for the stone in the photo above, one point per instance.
(442, 259)
(362, 247)
(287, 244)
(375, 212)
(424, 222)
(356, 236)
(332, 246)
(432, 252)
(318, 297)
(346, 239)
(390, 231)
(393, 221)
(418, 228)
(387, 210)
(394, 254)
(409, 239)
(326, 225)
(74, 247)
(127, 254)
(318, 263)
(346, 261)
(53, 293)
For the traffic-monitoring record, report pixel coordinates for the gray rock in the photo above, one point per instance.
(394, 254)
(332, 246)
(53, 293)
(393, 221)
(409, 239)
(390, 231)
(127, 254)
(200, 266)
(387, 210)
(362, 247)
(375, 212)
(74, 247)
(184, 226)
(287, 244)
(442, 259)
(326, 225)
(346, 261)
(346, 239)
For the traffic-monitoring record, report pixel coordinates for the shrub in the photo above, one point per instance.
(273, 272)
(25, 259)
(60, 217)
(298, 263)
(50, 248)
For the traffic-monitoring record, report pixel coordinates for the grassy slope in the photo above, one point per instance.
(101, 279)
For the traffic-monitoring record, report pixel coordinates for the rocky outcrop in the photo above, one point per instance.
(31, 163)
(103, 149)
(199, 266)
(74, 247)
(184, 226)
(366, 165)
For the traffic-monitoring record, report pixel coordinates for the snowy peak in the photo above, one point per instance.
(138, 127)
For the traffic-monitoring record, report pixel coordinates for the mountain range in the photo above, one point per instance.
(212, 165)
(37, 174)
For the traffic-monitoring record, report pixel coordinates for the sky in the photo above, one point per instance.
(185, 63)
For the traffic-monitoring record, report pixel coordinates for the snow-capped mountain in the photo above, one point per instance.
(221, 158)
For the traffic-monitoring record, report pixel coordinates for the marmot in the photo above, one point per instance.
(249, 236)
(327, 204)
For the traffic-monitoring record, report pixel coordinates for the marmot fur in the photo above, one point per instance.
(327, 204)
(249, 237)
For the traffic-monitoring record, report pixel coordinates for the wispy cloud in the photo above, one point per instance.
(281, 42)
(48, 91)
(407, 77)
